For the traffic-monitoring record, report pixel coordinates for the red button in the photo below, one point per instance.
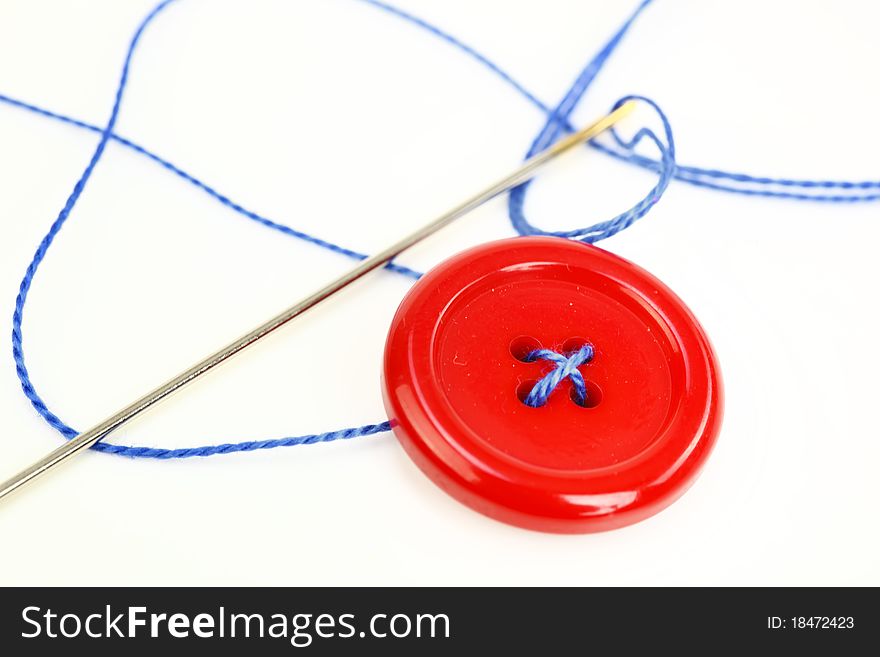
(455, 377)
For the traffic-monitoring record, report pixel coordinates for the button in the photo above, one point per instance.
(634, 411)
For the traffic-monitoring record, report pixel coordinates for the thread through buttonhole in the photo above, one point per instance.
(522, 346)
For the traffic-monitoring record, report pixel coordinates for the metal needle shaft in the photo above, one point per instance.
(100, 431)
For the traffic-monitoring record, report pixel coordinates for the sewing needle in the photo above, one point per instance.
(97, 433)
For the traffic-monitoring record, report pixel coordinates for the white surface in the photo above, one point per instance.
(349, 124)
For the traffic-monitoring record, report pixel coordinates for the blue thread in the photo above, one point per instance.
(564, 367)
(208, 189)
(557, 121)
(248, 446)
(605, 229)
(688, 174)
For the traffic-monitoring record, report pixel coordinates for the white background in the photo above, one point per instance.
(347, 123)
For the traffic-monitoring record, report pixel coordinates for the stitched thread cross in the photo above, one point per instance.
(565, 367)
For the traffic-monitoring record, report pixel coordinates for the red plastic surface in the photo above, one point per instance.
(453, 379)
